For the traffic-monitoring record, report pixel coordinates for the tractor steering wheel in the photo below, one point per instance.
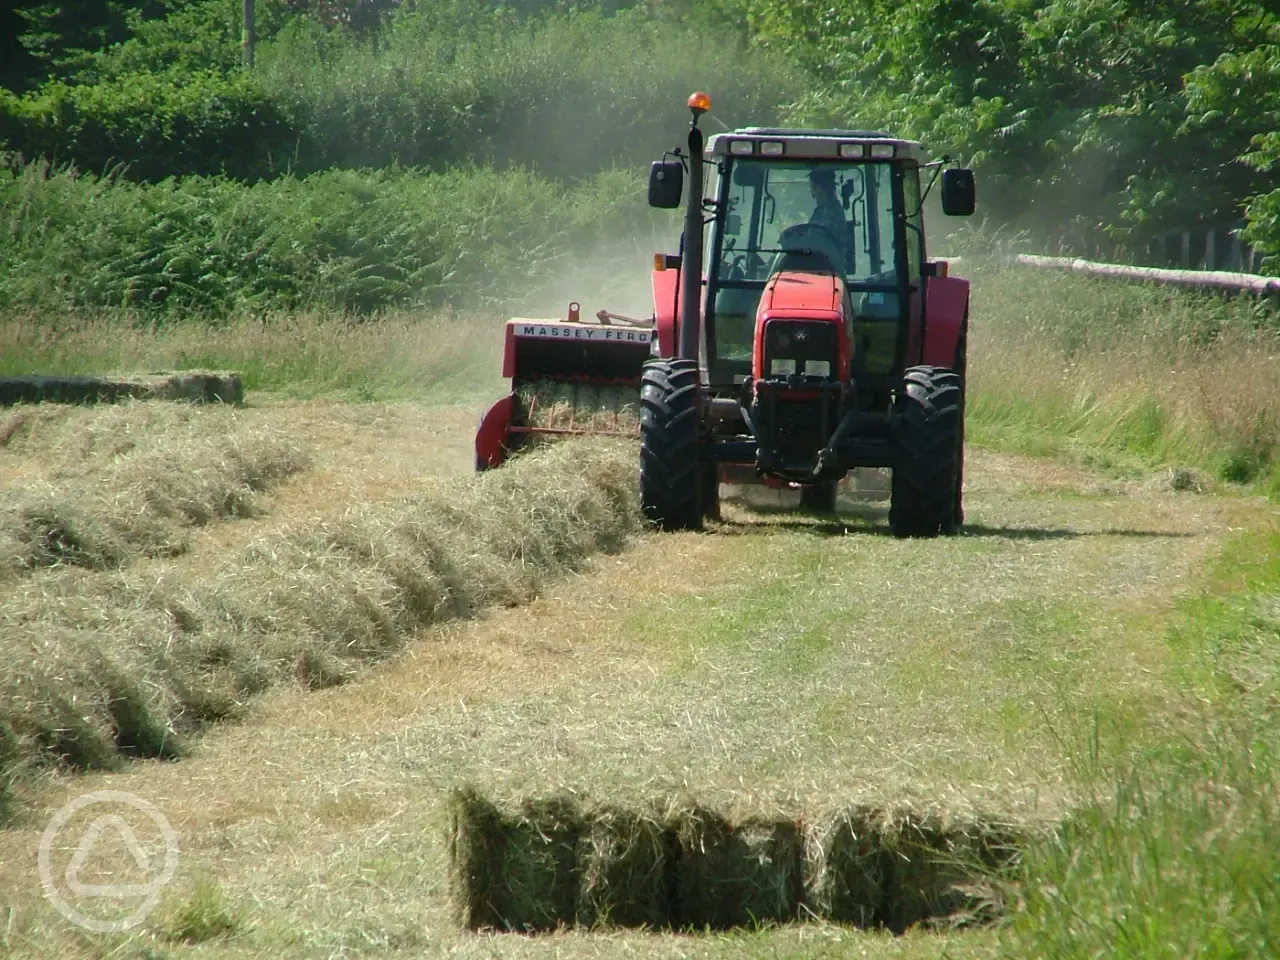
(746, 266)
(815, 237)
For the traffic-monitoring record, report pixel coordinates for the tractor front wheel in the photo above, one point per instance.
(671, 484)
(926, 465)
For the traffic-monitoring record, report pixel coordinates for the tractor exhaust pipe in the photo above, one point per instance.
(691, 256)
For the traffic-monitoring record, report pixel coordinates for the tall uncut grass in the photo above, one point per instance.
(1123, 373)
(1178, 855)
(397, 354)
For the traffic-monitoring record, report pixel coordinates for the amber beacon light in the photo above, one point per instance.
(700, 102)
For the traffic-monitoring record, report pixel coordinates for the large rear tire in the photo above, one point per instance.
(820, 497)
(924, 497)
(671, 483)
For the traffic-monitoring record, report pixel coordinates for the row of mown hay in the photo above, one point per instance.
(130, 481)
(580, 406)
(192, 386)
(548, 863)
(100, 665)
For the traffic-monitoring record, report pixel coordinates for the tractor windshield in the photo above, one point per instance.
(840, 212)
(814, 215)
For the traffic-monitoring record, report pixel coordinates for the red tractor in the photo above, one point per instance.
(819, 339)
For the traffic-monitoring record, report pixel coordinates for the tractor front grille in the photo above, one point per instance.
(801, 348)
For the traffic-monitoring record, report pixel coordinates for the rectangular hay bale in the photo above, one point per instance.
(626, 863)
(516, 871)
(932, 869)
(742, 875)
(845, 868)
(194, 386)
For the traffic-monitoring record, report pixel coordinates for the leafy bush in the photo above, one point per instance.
(449, 82)
(344, 240)
(1080, 114)
(154, 124)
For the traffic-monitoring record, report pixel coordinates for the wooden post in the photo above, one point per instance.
(247, 38)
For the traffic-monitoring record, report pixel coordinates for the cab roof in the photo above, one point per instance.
(814, 144)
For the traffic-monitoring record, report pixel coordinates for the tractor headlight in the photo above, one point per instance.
(741, 147)
(850, 149)
(883, 151)
(816, 368)
(782, 367)
(771, 148)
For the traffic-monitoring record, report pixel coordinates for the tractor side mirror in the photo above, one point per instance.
(666, 183)
(958, 194)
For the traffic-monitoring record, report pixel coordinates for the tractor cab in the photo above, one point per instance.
(807, 207)
(805, 315)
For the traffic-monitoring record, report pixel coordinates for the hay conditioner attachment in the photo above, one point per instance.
(569, 377)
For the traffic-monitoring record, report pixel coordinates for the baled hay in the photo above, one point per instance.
(845, 868)
(514, 871)
(694, 868)
(628, 860)
(936, 870)
(109, 664)
(581, 406)
(192, 386)
(735, 875)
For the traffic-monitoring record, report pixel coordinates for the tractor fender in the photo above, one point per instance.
(491, 437)
(946, 316)
(666, 306)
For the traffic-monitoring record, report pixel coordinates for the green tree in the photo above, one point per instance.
(63, 37)
(1076, 111)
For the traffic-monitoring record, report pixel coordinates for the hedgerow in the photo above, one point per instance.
(342, 240)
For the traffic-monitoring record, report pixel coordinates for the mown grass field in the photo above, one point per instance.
(1098, 646)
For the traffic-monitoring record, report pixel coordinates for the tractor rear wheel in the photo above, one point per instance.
(672, 487)
(820, 497)
(926, 463)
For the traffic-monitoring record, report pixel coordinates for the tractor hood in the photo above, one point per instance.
(794, 290)
(813, 305)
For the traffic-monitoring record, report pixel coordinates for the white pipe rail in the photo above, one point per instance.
(1210, 279)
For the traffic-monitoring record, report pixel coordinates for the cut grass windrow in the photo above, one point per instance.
(127, 663)
(130, 481)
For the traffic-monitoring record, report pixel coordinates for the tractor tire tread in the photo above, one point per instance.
(669, 471)
(923, 498)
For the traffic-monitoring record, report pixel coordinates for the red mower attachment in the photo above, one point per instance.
(568, 377)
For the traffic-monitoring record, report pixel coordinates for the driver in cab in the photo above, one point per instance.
(827, 211)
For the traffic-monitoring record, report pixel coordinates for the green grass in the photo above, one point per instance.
(1178, 854)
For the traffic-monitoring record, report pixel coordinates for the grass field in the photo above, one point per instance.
(1098, 646)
